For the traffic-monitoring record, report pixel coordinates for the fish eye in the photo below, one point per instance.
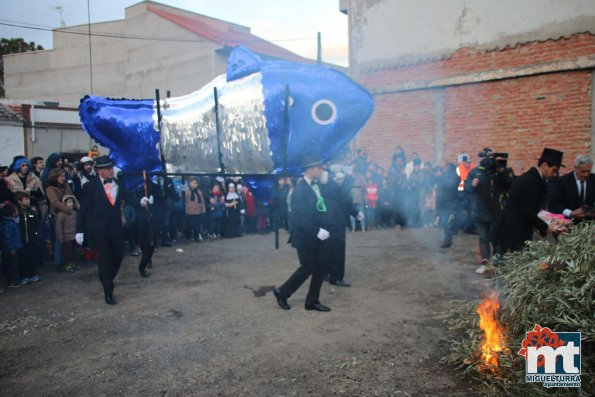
(324, 112)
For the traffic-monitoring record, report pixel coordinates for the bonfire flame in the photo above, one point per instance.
(493, 341)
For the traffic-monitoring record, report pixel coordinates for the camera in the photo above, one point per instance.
(501, 159)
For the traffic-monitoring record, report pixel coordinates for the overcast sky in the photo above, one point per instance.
(288, 23)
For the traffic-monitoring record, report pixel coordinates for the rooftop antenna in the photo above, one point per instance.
(60, 9)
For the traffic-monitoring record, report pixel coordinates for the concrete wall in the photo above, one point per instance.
(389, 32)
(11, 136)
(131, 68)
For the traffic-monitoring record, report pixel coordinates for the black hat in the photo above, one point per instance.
(552, 157)
(311, 160)
(103, 162)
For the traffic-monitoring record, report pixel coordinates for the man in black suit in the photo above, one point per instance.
(101, 202)
(574, 193)
(309, 237)
(519, 217)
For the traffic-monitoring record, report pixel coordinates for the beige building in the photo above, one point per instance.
(153, 47)
(11, 134)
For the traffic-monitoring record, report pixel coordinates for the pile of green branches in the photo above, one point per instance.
(552, 285)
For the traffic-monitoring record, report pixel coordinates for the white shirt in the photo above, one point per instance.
(113, 185)
(567, 211)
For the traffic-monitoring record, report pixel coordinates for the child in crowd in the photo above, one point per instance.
(94, 153)
(250, 211)
(10, 244)
(216, 212)
(32, 236)
(195, 208)
(66, 231)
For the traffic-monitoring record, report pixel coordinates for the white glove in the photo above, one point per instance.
(151, 199)
(242, 212)
(183, 188)
(360, 216)
(144, 202)
(323, 234)
(79, 237)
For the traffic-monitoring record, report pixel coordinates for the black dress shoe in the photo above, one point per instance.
(281, 301)
(109, 299)
(340, 283)
(144, 273)
(318, 307)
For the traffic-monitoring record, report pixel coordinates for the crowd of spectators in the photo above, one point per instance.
(39, 200)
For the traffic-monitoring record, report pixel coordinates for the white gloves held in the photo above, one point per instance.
(145, 201)
(242, 211)
(79, 237)
(360, 216)
(323, 234)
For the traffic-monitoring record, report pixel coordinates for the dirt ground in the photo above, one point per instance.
(206, 324)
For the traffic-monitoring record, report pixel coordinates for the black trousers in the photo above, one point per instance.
(30, 258)
(148, 232)
(312, 263)
(111, 253)
(337, 257)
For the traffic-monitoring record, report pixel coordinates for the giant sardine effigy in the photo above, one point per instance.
(325, 110)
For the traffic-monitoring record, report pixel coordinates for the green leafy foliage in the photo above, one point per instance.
(552, 285)
(13, 46)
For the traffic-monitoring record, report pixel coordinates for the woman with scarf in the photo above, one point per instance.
(56, 188)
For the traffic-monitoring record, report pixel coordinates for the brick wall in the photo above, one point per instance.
(518, 115)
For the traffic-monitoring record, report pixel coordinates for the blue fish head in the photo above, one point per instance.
(326, 111)
(326, 108)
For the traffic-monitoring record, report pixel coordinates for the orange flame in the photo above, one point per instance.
(493, 341)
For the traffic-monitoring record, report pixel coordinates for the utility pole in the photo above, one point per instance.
(319, 49)
(90, 48)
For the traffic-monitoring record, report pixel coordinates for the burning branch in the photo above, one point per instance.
(493, 343)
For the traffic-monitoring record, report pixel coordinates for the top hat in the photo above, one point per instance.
(311, 160)
(103, 162)
(552, 157)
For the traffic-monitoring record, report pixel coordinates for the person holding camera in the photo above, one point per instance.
(485, 190)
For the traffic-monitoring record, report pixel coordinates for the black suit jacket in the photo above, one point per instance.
(565, 194)
(306, 219)
(519, 217)
(104, 219)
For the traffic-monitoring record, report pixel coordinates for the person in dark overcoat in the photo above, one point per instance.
(574, 193)
(447, 182)
(310, 238)
(339, 208)
(101, 201)
(527, 193)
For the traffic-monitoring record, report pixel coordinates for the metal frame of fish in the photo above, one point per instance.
(325, 108)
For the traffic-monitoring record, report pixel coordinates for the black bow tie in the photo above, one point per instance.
(107, 181)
